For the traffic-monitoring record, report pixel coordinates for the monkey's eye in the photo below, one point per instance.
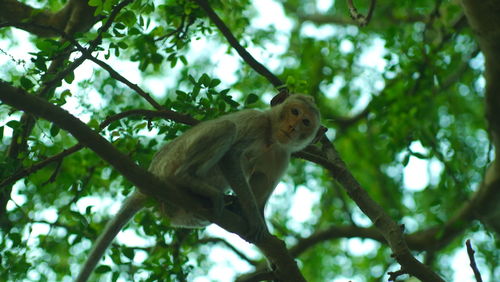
(295, 112)
(306, 122)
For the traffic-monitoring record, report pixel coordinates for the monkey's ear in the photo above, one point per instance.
(320, 133)
(280, 97)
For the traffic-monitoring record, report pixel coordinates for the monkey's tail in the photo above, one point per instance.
(130, 207)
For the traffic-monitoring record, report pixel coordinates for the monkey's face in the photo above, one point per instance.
(298, 124)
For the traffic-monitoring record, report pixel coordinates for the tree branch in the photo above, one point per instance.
(358, 17)
(240, 254)
(484, 19)
(329, 158)
(470, 253)
(247, 57)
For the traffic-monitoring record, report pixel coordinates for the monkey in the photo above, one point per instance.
(246, 151)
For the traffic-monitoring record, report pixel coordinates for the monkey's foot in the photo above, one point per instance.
(256, 230)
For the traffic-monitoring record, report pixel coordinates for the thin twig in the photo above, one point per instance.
(393, 276)
(36, 167)
(247, 57)
(473, 265)
(227, 244)
(114, 74)
(357, 16)
(114, 13)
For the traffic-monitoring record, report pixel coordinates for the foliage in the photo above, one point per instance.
(406, 87)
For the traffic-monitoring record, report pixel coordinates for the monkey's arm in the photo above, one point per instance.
(231, 166)
(262, 188)
(130, 207)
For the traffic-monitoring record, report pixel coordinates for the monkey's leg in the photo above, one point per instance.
(232, 170)
(203, 154)
(201, 188)
(262, 189)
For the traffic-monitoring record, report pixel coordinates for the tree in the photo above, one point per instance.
(430, 95)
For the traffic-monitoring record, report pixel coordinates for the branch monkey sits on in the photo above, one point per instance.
(247, 151)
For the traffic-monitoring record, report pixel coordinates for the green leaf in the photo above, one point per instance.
(134, 31)
(183, 60)
(251, 98)
(98, 4)
(149, 8)
(122, 45)
(228, 99)
(191, 78)
(102, 269)
(70, 77)
(120, 26)
(14, 124)
(93, 124)
(88, 210)
(214, 83)
(65, 94)
(46, 45)
(224, 92)
(26, 83)
(108, 5)
(406, 160)
(173, 62)
(129, 253)
(419, 155)
(54, 130)
(40, 63)
(1, 133)
(204, 80)
(128, 18)
(196, 91)
(95, 3)
(156, 58)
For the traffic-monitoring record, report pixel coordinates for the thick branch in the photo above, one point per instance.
(484, 19)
